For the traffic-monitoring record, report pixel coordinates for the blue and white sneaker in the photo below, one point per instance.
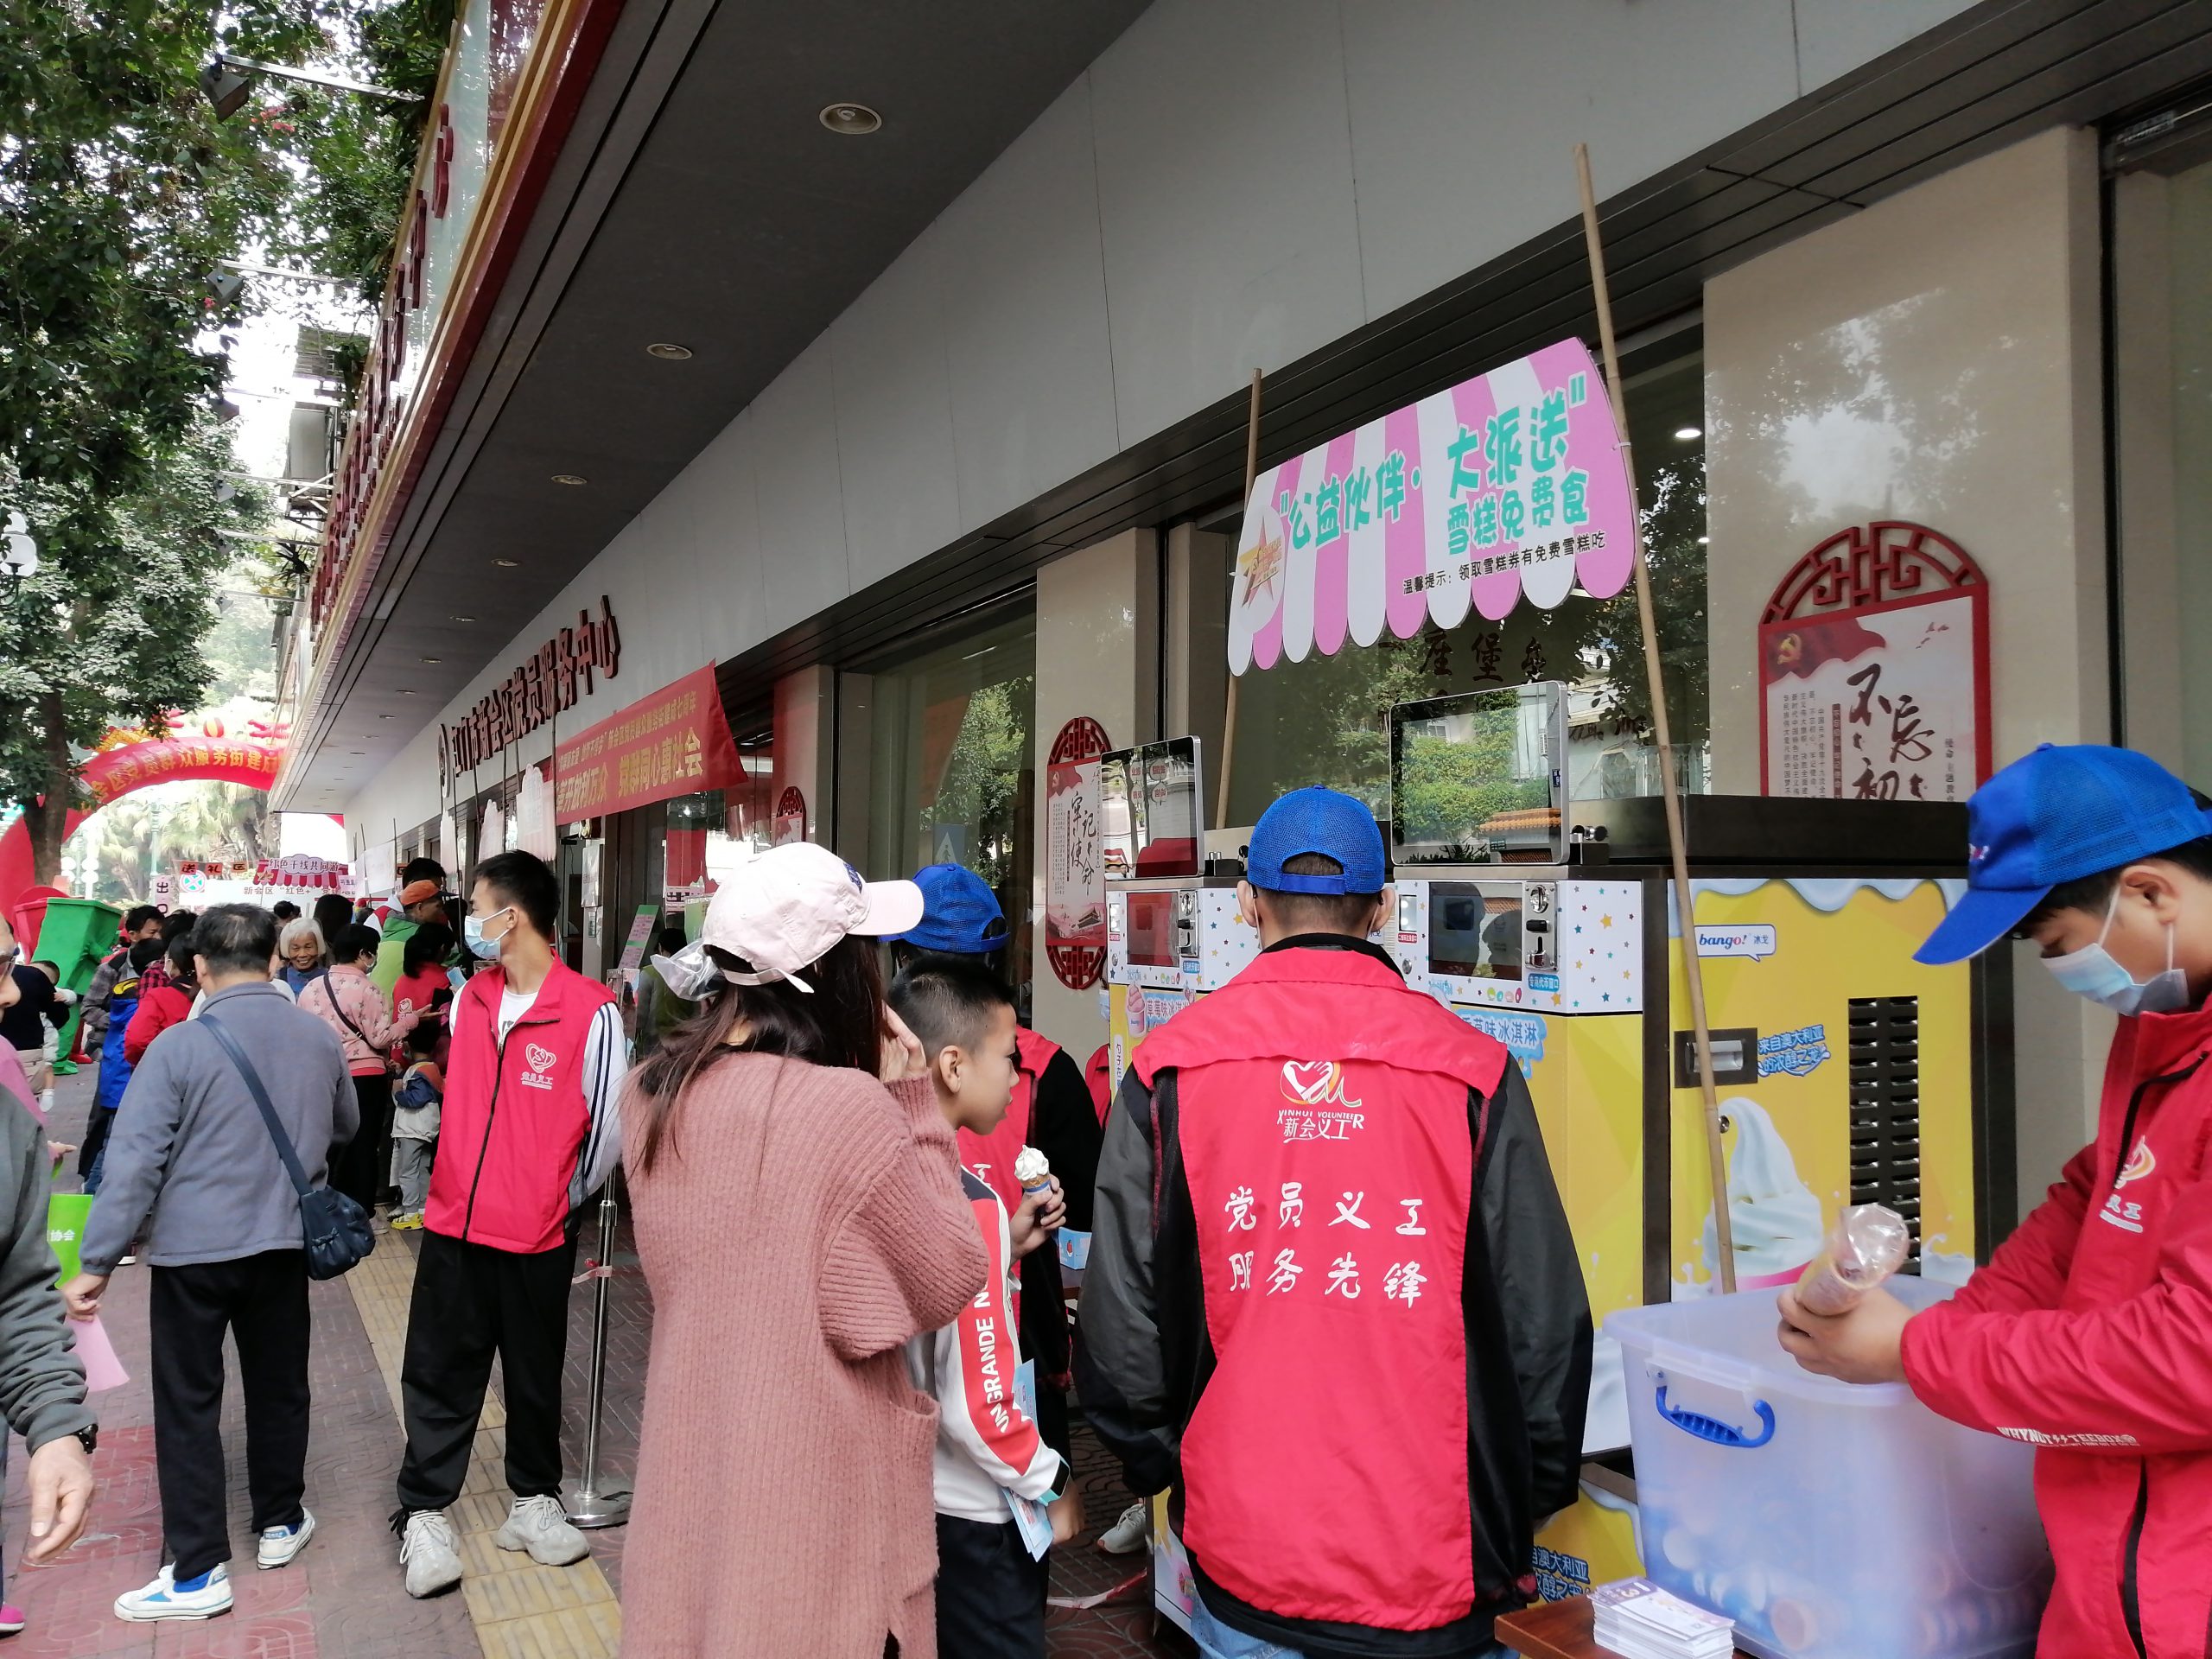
(165, 1597)
(280, 1544)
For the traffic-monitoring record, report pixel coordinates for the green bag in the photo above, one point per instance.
(66, 1215)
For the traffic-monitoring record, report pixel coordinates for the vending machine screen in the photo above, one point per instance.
(1152, 929)
(1473, 934)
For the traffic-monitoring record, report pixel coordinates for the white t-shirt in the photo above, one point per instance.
(513, 1005)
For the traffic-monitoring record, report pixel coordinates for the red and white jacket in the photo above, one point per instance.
(529, 1125)
(1334, 1300)
(986, 1444)
(2089, 1337)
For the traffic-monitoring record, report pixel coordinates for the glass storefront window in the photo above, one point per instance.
(952, 763)
(1326, 720)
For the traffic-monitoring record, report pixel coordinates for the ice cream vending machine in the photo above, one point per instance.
(1847, 1072)
(1172, 932)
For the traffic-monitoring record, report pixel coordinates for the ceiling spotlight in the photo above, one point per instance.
(506, 564)
(434, 659)
(406, 690)
(568, 478)
(404, 694)
(853, 120)
(462, 618)
(667, 352)
(1689, 434)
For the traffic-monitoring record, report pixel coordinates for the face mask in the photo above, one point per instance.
(472, 932)
(690, 973)
(2094, 972)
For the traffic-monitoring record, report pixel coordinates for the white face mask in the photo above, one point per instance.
(472, 932)
(2096, 973)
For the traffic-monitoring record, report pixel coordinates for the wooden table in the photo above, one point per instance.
(1557, 1630)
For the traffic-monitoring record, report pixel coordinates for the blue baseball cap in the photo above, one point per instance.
(2054, 816)
(1316, 820)
(960, 916)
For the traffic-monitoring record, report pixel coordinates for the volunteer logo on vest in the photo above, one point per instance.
(541, 1060)
(2141, 1166)
(1314, 1087)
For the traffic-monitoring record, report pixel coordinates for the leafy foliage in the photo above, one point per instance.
(120, 192)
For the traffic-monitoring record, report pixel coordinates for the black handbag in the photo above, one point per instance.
(335, 1227)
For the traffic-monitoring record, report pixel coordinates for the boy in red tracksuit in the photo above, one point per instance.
(1050, 1110)
(2088, 1336)
(990, 1587)
(1332, 1298)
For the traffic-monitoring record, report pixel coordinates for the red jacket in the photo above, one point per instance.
(512, 1129)
(160, 1007)
(2089, 1336)
(1332, 1294)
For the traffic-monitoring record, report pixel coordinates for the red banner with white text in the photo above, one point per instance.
(674, 742)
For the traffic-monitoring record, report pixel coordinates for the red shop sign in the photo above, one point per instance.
(674, 742)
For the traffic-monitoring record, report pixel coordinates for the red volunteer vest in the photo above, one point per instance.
(991, 1156)
(514, 1118)
(1323, 1119)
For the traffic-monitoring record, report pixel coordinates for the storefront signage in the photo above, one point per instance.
(674, 742)
(1874, 670)
(299, 870)
(1510, 485)
(1075, 863)
(791, 815)
(544, 684)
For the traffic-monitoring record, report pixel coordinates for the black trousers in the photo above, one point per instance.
(361, 1168)
(990, 1596)
(262, 1300)
(471, 1302)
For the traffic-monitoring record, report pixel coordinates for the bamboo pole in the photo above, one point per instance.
(1692, 970)
(1229, 714)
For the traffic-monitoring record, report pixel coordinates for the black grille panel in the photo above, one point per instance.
(1886, 1108)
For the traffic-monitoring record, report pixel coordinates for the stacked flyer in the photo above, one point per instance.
(1639, 1620)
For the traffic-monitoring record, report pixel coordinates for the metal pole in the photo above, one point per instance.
(1655, 676)
(1229, 713)
(588, 1506)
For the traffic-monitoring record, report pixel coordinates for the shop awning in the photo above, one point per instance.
(1511, 484)
(674, 742)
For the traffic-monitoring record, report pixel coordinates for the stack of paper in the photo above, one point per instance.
(1639, 1620)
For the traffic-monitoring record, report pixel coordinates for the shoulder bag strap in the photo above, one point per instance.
(329, 991)
(208, 1022)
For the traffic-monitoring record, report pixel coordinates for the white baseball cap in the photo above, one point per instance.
(784, 910)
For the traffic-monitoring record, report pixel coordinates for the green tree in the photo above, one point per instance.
(120, 192)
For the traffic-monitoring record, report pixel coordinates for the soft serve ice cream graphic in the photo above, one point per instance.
(1774, 1215)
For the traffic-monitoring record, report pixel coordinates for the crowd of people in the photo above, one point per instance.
(1357, 1360)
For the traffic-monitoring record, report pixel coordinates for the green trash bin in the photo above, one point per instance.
(75, 935)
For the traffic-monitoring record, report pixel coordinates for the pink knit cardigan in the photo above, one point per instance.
(801, 1223)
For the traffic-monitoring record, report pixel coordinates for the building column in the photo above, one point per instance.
(1097, 654)
(1935, 358)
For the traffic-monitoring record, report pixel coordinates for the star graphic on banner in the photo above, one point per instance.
(1605, 921)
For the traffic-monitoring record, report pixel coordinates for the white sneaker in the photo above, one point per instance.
(428, 1553)
(280, 1544)
(541, 1526)
(1128, 1535)
(201, 1598)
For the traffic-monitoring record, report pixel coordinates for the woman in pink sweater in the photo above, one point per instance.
(797, 1200)
(347, 1001)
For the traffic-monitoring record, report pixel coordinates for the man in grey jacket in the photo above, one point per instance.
(191, 1169)
(41, 1380)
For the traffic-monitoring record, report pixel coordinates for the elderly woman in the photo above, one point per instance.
(306, 960)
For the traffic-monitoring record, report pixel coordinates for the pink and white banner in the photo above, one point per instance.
(1507, 485)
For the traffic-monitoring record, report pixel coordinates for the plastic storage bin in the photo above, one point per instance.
(1830, 1521)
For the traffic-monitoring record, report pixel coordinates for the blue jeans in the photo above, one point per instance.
(1218, 1639)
